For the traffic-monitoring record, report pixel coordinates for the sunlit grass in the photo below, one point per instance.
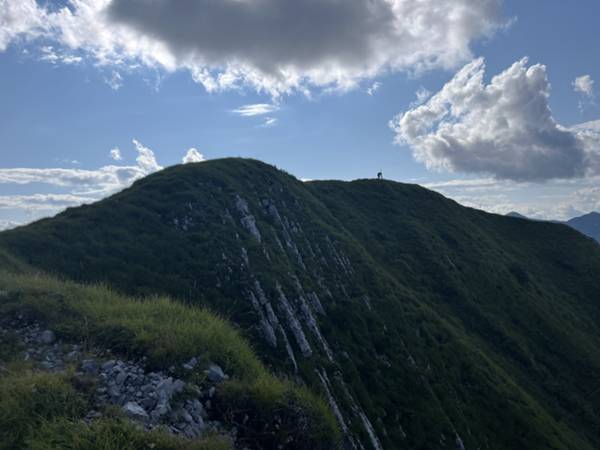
(166, 333)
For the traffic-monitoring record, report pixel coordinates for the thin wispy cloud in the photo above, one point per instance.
(50, 54)
(67, 161)
(373, 88)
(81, 185)
(462, 183)
(256, 109)
(552, 200)
(269, 122)
(422, 96)
(104, 180)
(114, 80)
(42, 202)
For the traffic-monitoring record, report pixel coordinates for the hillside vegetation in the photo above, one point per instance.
(423, 323)
(41, 410)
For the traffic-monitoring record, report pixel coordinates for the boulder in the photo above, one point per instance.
(108, 365)
(120, 378)
(191, 364)
(215, 374)
(178, 386)
(164, 389)
(135, 411)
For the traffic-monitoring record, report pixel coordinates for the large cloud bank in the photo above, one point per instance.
(504, 128)
(276, 46)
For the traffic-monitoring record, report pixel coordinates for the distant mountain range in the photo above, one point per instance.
(588, 224)
(424, 324)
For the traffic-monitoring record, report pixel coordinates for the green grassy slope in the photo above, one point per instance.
(44, 410)
(525, 295)
(442, 321)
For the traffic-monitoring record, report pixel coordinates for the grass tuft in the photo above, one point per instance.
(112, 434)
(28, 399)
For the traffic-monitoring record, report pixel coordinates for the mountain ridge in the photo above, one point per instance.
(587, 224)
(424, 323)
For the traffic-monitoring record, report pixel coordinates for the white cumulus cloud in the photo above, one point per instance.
(273, 46)
(19, 19)
(584, 85)
(192, 156)
(504, 128)
(145, 159)
(115, 154)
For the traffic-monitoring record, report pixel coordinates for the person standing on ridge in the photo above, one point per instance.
(380, 175)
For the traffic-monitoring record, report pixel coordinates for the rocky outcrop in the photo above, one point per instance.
(294, 323)
(315, 302)
(287, 228)
(269, 323)
(313, 326)
(150, 399)
(296, 310)
(351, 442)
(267, 329)
(359, 412)
(247, 220)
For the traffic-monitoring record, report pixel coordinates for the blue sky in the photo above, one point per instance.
(68, 96)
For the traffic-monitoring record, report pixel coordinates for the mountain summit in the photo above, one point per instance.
(423, 323)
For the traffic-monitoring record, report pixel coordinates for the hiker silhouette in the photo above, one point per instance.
(379, 175)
